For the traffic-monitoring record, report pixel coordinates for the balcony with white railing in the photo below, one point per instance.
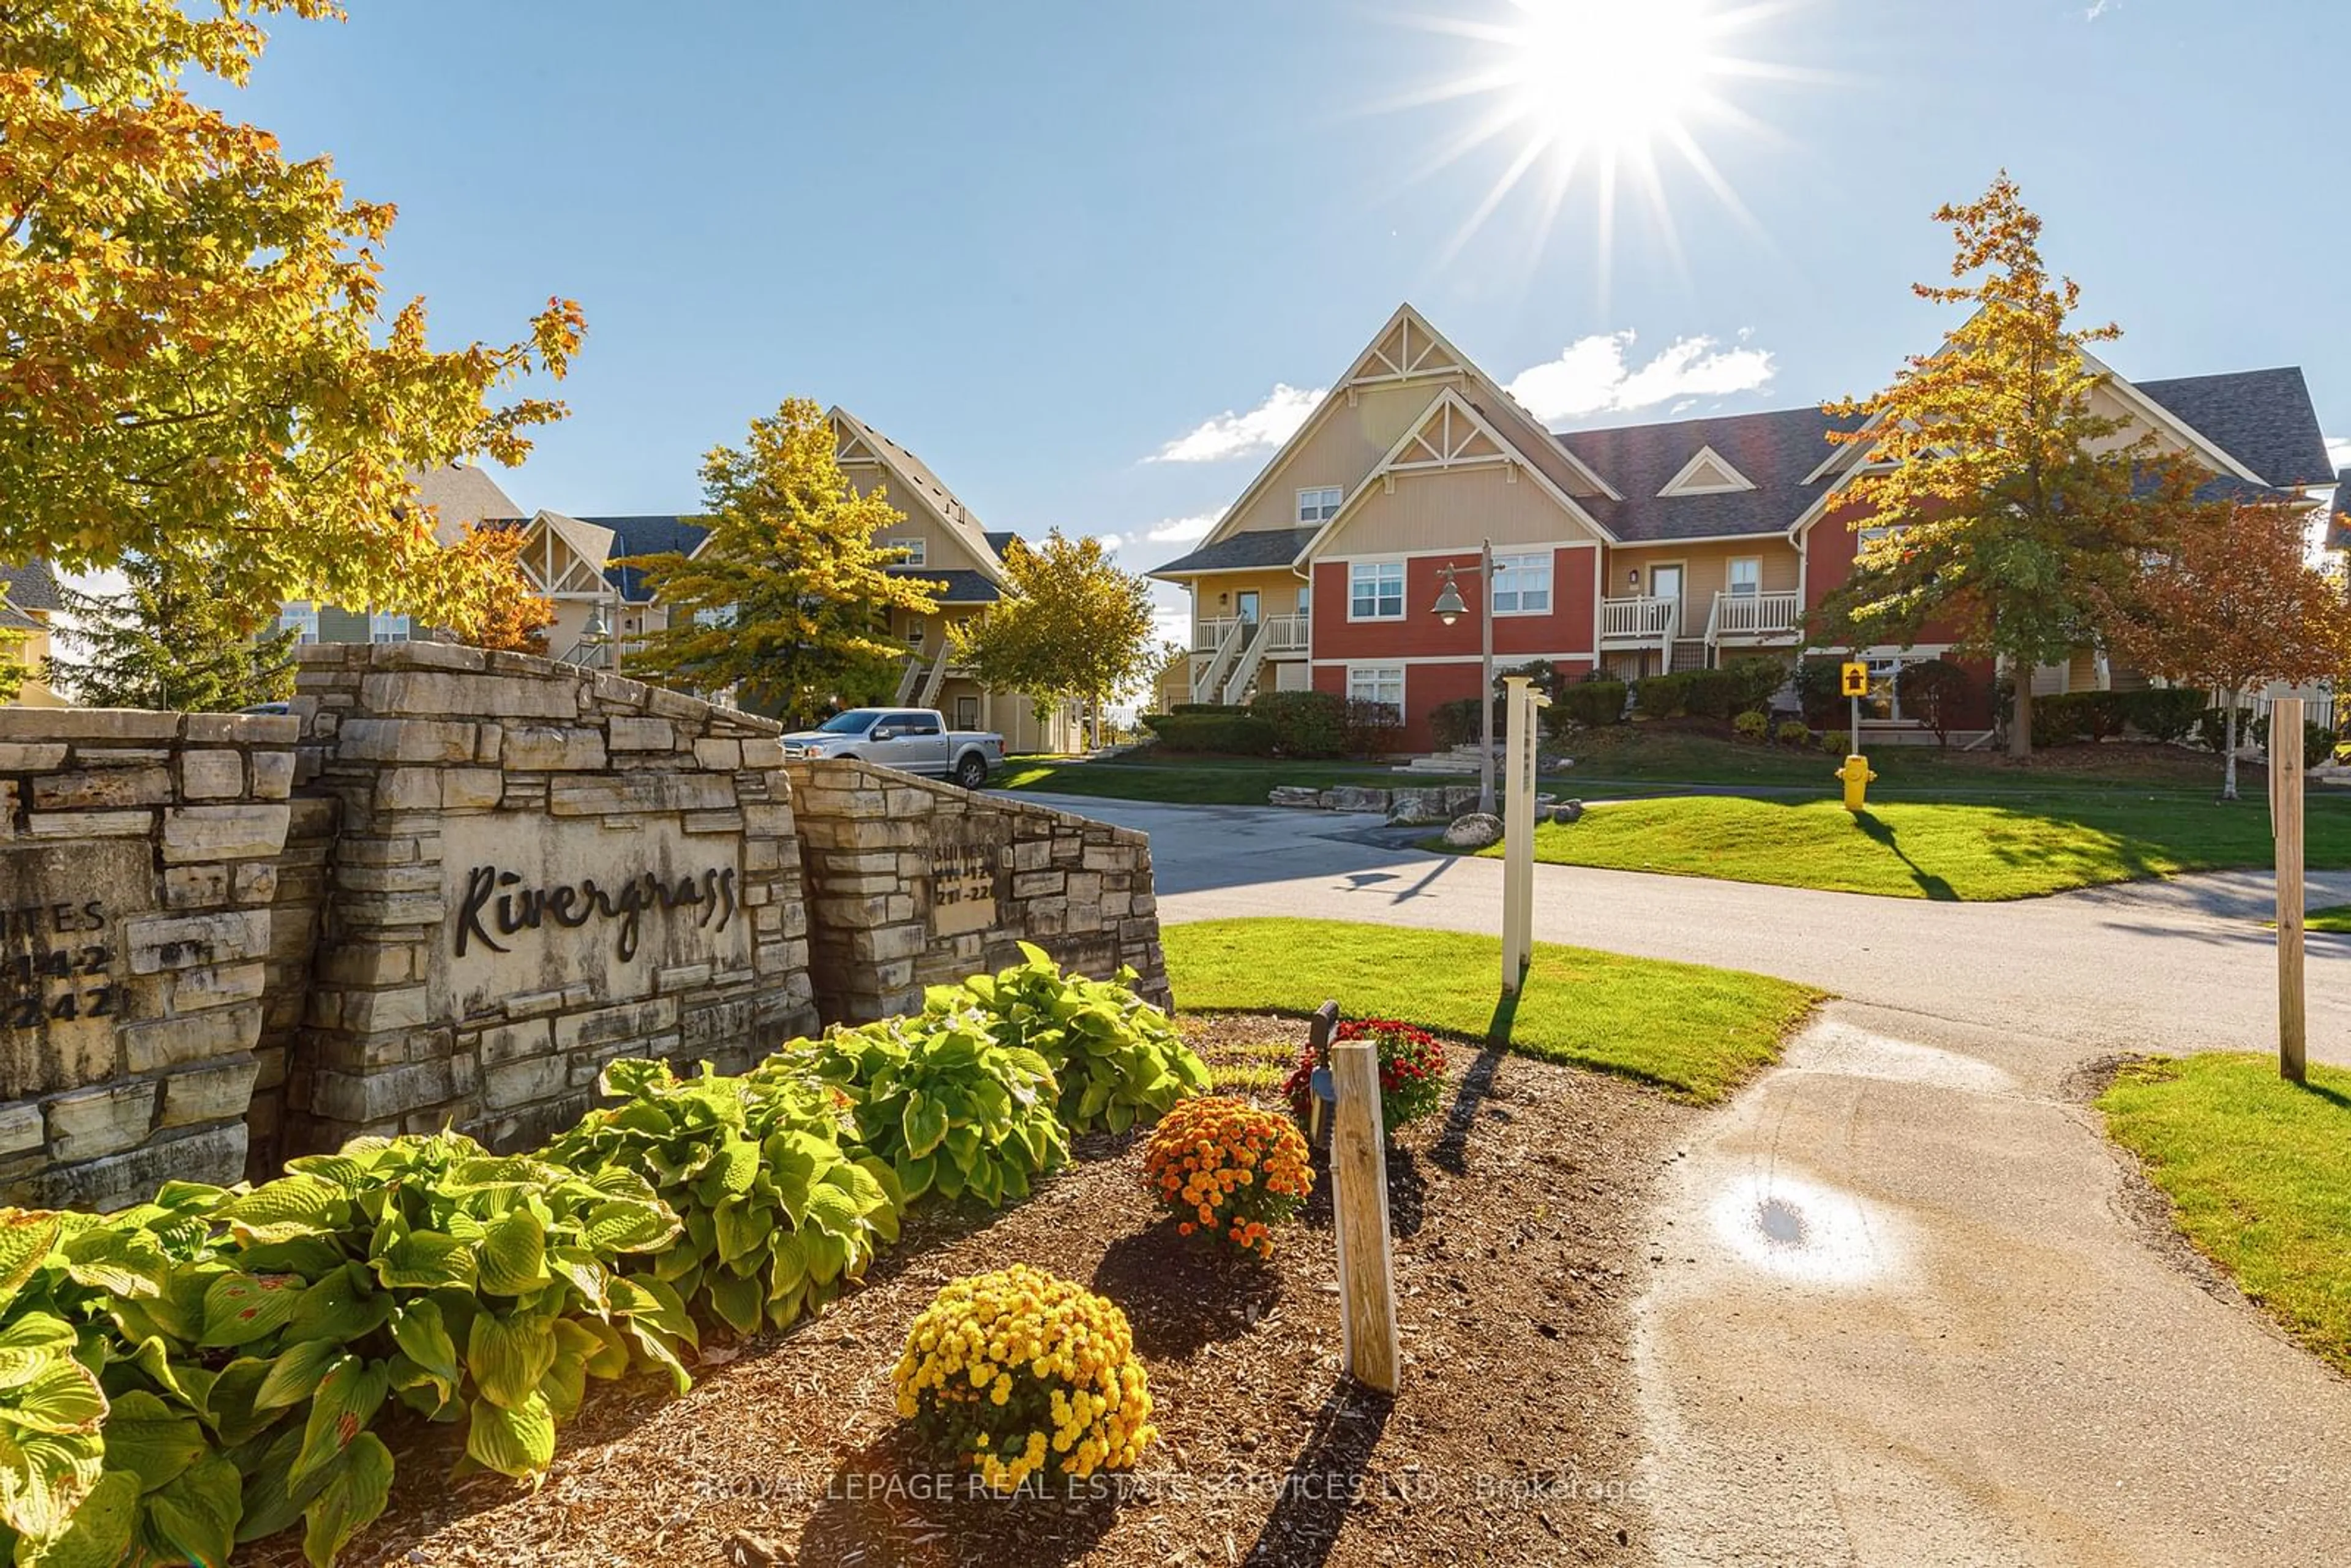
(1208, 633)
(1288, 636)
(1756, 618)
(1640, 622)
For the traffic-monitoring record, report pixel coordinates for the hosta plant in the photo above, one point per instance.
(777, 1214)
(1022, 1375)
(1228, 1170)
(1411, 1071)
(1118, 1058)
(936, 1097)
(245, 1340)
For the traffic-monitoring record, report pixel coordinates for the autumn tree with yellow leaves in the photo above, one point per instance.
(787, 601)
(195, 361)
(515, 615)
(2010, 510)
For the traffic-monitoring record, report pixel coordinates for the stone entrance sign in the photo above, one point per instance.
(62, 968)
(966, 865)
(540, 904)
(447, 889)
(138, 857)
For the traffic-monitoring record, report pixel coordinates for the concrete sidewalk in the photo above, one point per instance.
(1902, 1310)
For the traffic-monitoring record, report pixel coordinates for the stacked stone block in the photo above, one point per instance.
(413, 741)
(875, 845)
(137, 873)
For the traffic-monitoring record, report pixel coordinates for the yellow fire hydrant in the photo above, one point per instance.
(1856, 774)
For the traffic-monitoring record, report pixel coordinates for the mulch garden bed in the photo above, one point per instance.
(1519, 1219)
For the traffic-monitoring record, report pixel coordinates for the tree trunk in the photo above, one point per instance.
(2228, 752)
(2020, 723)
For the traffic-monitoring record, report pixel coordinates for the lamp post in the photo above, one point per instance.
(595, 632)
(1449, 609)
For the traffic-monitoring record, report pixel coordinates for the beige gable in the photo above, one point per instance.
(943, 546)
(1406, 349)
(1342, 442)
(1408, 511)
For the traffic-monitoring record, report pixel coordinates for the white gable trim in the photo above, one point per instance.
(877, 453)
(1454, 412)
(2145, 408)
(1431, 355)
(1684, 483)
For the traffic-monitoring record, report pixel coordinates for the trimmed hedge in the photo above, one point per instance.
(1190, 710)
(1305, 724)
(1591, 703)
(1235, 733)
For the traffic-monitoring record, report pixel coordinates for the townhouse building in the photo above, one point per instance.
(947, 546)
(29, 600)
(1633, 549)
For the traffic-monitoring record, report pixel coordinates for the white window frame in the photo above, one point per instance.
(917, 549)
(383, 626)
(1730, 577)
(1327, 499)
(1378, 677)
(302, 615)
(1378, 571)
(1507, 567)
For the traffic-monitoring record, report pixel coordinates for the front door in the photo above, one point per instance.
(967, 712)
(1245, 606)
(1665, 582)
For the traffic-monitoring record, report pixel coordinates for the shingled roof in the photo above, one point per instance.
(1265, 546)
(646, 534)
(1775, 451)
(462, 494)
(32, 586)
(2265, 418)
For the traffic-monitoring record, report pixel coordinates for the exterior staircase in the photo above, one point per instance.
(1252, 654)
(936, 677)
(1209, 679)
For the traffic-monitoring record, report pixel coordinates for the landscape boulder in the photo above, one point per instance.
(1474, 831)
(1355, 798)
(1296, 795)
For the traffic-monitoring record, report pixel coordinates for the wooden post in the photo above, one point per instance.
(2285, 802)
(1359, 1200)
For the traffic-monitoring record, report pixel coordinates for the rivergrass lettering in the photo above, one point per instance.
(500, 898)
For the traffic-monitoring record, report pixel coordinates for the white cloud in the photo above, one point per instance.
(1183, 530)
(2100, 8)
(2339, 455)
(1591, 375)
(1231, 434)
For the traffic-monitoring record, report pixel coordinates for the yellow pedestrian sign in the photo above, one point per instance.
(1857, 680)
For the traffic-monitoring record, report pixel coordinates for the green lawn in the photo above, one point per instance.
(2254, 1168)
(1659, 759)
(2017, 849)
(1695, 1031)
(2334, 917)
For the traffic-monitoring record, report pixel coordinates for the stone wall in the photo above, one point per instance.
(537, 868)
(451, 885)
(912, 883)
(138, 870)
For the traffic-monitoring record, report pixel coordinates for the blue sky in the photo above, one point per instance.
(1044, 244)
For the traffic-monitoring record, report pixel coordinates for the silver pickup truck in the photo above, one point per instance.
(910, 739)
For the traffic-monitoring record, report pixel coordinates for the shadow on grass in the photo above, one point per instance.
(1880, 831)
(1323, 1481)
(1183, 1292)
(2333, 1096)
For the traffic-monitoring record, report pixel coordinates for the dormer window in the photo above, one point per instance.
(1707, 473)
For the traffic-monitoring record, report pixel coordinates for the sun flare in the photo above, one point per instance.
(1596, 90)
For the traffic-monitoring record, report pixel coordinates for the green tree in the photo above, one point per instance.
(1076, 629)
(788, 599)
(2011, 508)
(173, 639)
(193, 344)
